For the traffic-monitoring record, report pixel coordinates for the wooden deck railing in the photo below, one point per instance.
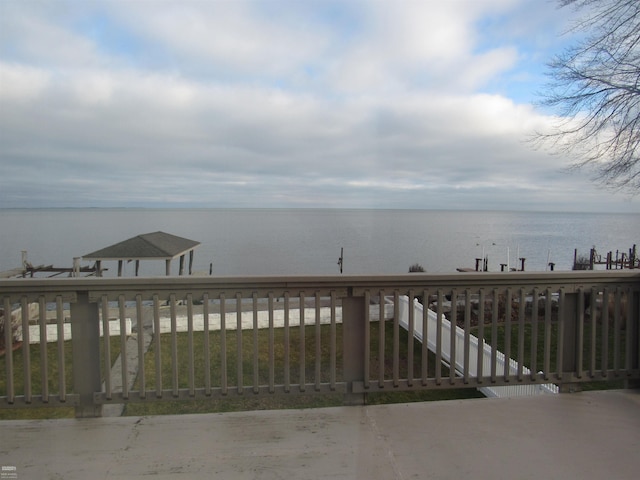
(212, 337)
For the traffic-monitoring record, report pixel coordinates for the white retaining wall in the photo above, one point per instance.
(458, 361)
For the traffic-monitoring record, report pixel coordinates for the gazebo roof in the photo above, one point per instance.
(156, 245)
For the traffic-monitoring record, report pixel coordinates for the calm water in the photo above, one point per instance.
(284, 241)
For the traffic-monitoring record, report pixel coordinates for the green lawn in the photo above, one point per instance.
(505, 337)
(53, 369)
(509, 337)
(250, 402)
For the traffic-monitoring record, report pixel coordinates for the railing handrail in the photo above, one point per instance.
(314, 282)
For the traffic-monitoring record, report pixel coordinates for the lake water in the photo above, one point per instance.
(308, 241)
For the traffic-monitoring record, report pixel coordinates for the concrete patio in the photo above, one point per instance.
(589, 435)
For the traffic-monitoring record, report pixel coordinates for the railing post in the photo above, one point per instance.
(633, 330)
(85, 341)
(570, 341)
(353, 334)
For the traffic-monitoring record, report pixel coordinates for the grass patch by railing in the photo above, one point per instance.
(262, 402)
(53, 369)
(508, 339)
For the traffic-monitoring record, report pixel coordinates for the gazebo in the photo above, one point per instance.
(149, 246)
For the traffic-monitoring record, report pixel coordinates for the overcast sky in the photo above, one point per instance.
(270, 103)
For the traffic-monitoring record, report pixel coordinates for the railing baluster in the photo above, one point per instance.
(26, 350)
(174, 345)
(62, 378)
(367, 338)
(480, 357)
(521, 328)
(561, 321)
(239, 372)
(106, 341)
(272, 360)
(140, 323)
(453, 336)
(425, 337)
(206, 345)
(123, 347)
(332, 346)
(580, 334)
(494, 334)
(396, 338)
(381, 342)
(439, 340)
(223, 345)
(8, 358)
(467, 334)
(256, 377)
(302, 380)
(192, 366)
(44, 367)
(157, 345)
(604, 358)
(616, 333)
(547, 333)
(507, 334)
(534, 334)
(593, 309)
(287, 339)
(410, 331)
(629, 330)
(318, 339)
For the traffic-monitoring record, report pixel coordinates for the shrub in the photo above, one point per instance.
(582, 262)
(3, 322)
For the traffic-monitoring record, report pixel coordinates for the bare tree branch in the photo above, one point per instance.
(595, 88)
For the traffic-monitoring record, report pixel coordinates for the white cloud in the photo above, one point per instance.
(421, 45)
(247, 38)
(29, 32)
(20, 83)
(254, 103)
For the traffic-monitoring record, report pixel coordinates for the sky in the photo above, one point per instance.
(284, 103)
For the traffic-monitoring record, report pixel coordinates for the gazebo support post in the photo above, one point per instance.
(181, 271)
(137, 267)
(168, 266)
(190, 262)
(119, 268)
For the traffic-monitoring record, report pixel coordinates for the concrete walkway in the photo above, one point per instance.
(131, 354)
(593, 435)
